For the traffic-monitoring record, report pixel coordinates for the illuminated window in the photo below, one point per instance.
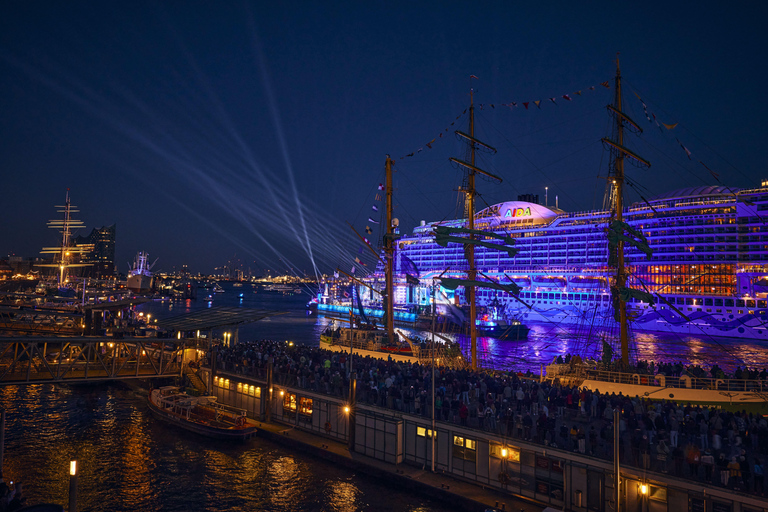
(464, 448)
(289, 402)
(423, 432)
(658, 493)
(305, 406)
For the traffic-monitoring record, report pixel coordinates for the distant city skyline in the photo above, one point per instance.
(202, 131)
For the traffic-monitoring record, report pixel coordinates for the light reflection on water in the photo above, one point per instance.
(129, 461)
(543, 344)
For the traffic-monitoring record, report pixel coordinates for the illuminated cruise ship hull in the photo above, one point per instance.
(709, 264)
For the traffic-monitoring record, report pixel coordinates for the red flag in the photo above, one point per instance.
(381, 186)
(565, 96)
(473, 76)
(606, 84)
(525, 104)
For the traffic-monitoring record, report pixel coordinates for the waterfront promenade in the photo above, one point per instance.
(726, 449)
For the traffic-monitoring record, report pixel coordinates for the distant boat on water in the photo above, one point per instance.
(140, 277)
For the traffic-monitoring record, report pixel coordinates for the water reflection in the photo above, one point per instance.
(129, 461)
(342, 497)
(544, 343)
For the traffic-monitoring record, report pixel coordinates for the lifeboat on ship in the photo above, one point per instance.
(590, 282)
(549, 281)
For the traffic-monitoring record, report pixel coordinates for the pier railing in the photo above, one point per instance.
(683, 381)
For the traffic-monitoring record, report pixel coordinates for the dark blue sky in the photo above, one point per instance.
(254, 131)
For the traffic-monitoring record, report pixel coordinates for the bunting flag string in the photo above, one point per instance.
(671, 126)
(713, 173)
(511, 105)
(687, 152)
(372, 221)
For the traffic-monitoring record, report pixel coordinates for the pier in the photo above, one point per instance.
(498, 468)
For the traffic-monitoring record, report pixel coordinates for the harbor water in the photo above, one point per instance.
(543, 344)
(128, 461)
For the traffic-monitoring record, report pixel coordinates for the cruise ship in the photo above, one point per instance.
(709, 265)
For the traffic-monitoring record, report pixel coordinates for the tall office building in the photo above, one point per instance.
(99, 251)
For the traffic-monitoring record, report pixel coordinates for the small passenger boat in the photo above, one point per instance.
(200, 414)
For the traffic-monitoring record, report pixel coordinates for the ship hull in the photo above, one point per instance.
(139, 283)
(699, 322)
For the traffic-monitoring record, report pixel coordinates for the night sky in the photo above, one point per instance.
(253, 132)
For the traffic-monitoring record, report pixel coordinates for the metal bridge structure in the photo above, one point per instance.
(45, 358)
(37, 360)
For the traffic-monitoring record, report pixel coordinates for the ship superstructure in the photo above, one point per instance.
(709, 262)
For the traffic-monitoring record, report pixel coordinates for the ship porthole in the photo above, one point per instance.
(671, 395)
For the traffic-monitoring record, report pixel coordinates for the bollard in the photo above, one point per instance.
(73, 486)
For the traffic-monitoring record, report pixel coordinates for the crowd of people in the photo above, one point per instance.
(690, 441)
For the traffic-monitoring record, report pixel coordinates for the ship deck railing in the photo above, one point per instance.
(683, 381)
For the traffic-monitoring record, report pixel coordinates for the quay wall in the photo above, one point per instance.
(553, 477)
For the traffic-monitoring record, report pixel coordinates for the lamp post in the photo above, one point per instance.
(434, 305)
(73, 486)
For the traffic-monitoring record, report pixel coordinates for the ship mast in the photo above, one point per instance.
(615, 191)
(470, 192)
(389, 250)
(621, 277)
(472, 274)
(65, 250)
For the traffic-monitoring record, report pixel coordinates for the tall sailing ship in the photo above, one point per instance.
(708, 272)
(66, 255)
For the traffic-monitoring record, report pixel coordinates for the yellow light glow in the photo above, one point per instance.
(346, 409)
(643, 489)
(504, 453)
(73, 467)
(282, 392)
